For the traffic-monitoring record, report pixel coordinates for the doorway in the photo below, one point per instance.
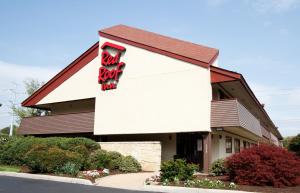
(190, 148)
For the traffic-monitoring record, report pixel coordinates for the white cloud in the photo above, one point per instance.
(262, 6)
(282, 105)
(216, 3)
(17, 73)
(14, 73)
(274, 6)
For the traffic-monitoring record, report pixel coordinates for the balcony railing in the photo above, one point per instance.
(231, 113)
(58, 124)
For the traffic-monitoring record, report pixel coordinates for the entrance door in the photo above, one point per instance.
(190, 148)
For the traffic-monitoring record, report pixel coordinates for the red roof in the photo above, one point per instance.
(179, 49)
(182, 50)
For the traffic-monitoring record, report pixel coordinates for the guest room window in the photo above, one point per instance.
(237, 145)
(228, 144)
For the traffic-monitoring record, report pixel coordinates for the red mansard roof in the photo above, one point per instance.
(179, 49)
(182, 50)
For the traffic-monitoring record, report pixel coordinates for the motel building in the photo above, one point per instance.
(153, 97)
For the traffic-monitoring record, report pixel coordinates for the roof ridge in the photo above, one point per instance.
(165, 36)
(202, 55)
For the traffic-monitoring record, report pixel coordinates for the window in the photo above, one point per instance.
(245, 144)
(237, 145)
(228, 144)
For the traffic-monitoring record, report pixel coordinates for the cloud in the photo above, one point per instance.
(17, 73)
(261, 6)
(216, 3)
(12, 77)
(272, 6)
(282, 106)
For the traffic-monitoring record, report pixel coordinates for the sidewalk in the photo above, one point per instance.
(136, 181)
(173, 189)
(132, 181)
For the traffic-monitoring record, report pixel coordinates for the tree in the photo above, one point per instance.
(31, 86)
(294, 144)
(286, 141)
(5, 130)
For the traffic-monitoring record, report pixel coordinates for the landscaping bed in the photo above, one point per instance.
(269, 189)
(264, 168)
(60, 156)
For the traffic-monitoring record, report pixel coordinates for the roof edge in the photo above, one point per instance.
(239, 77)
(62, 76)
(160, 51)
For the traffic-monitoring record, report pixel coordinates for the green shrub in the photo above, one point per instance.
(13, 150)
(72, 143)
(129, 164)
(115, 159)
(99, 159)
(69, 168)
(218, 168)
(44, 159)
(177, 168)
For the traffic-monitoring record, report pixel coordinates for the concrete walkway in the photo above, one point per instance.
(173, 189)
(132, 181)
(136, 181)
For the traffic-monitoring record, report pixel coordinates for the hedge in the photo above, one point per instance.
(264, 165)
(113, 160)
(43, 159)
(62, 155)
(14, 149)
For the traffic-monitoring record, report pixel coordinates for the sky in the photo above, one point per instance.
(258, 38)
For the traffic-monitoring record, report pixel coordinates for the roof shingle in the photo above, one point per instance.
(162, 43)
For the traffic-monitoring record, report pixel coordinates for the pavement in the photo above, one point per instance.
(132, 181)
(24, 185)
(136, 181)
(47, 177)
(173, 189)
(11, 182)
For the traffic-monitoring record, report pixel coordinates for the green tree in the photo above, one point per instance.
(286, 141)
(5, 130)
(294, 144)
(31, 85)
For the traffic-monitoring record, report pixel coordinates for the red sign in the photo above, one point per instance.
(112, 68)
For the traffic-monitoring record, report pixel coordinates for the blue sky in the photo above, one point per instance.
(258, 38)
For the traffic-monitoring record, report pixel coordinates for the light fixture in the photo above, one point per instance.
(219, 129)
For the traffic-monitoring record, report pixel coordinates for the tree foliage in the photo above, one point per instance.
(5, 130)
(31, 85)
(286, 141)
(294, 144)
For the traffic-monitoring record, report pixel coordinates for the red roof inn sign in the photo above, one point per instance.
(112, 68)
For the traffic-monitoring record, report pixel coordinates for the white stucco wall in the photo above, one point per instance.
(82, 85)
(155, 94)
(219, 145)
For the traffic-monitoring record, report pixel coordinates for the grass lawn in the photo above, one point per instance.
(5, 168)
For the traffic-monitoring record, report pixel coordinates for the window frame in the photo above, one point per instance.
(228, 142)
(237, 145)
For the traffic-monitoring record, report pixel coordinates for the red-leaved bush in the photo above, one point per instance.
(264, 165)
